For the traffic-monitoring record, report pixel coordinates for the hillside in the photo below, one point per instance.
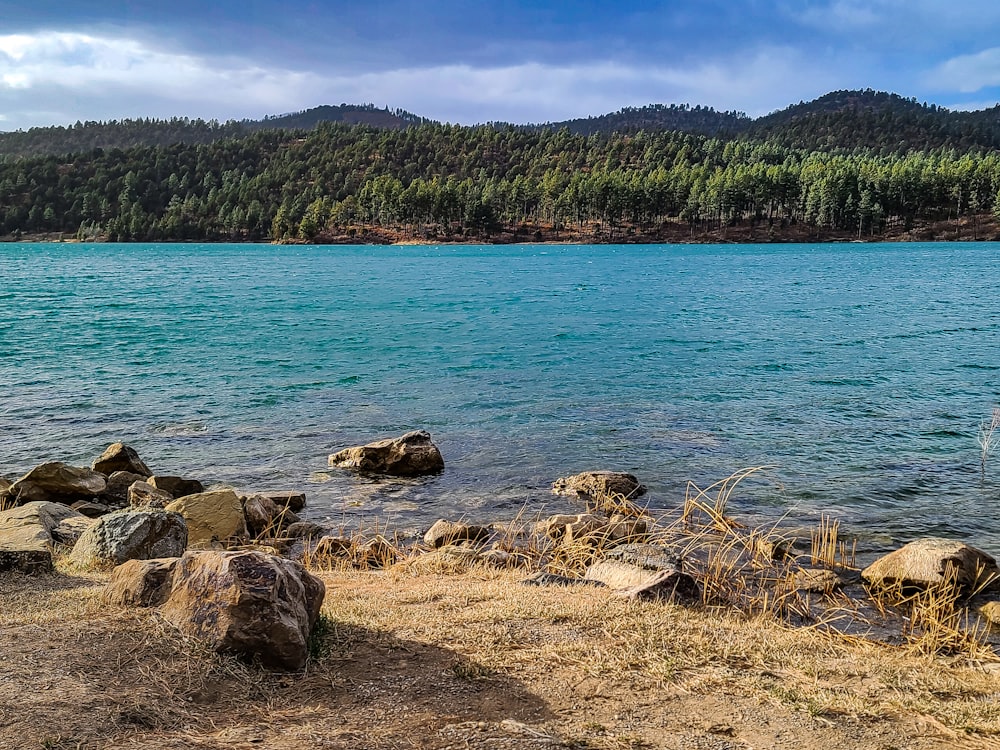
(844, 121)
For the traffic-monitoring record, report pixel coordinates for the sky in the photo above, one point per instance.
(470, 62)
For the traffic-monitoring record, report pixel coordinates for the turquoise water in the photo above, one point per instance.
(859, 372)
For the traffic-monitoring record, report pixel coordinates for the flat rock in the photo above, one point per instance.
(448, 532)
(932, 562)
(599, 484)
(647, 556)
(140, 583)
(212, 517)
(120, 457)
(254, 605)
(57, 482)
(131, 535)
(29, 532)
(633, 582)
(176, 486)
(541, 578)
(412, 454)
(817, 580)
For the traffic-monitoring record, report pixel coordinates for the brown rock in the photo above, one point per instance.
(577, 525)
(58, 483)
(930, 562)
(304, 530)
(599, 484)
(140, 583)
(177, 486)
(817, 580)
(264, 517)
(29, 532)
(248, 603)
(294, 501)
(447, 532)
(116, 492)
(144, 495)
(412, 454)
(120, 457)
(91, 510)
(991, 612)
(212, 517)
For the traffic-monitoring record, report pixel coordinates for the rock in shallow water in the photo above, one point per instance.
(598, 484)
(120, 457)
(409, 455)
(931, 562)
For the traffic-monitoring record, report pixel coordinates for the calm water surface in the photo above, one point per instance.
(858, 372)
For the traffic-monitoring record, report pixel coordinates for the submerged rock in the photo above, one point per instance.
(599, 484)
(412, 454)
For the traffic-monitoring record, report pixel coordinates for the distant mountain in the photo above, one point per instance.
(680, 117)
(349, 114)
(874, 121)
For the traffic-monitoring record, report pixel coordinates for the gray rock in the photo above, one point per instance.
(599, 484)
(140, 583)
(120, 457)
(817, 580)
(647, 556)
(541, 578)
(633, 582)
(144, 495)
(412, 454)
(29, 532)
(116, 493)
(448, 532)
(131, 535)
(931, 562)
(176, 486)
(304, 530)
(254, 605)
(58, 483)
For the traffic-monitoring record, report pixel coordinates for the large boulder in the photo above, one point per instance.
(599, 484)
(412, 454)
(141, 583)
(212, 517)
(176, 486)
(931, 562)
(58, 483)
(131, 535)
(120, 457)
(29, 532)
(248, 603)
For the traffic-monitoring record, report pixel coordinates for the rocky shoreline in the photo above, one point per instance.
(236, 570)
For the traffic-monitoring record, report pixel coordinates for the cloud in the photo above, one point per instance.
(57, 77)
(842, 15)
(968, 73)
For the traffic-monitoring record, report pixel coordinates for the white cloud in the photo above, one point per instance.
(842, 15)
(968, 73)
(59, 77)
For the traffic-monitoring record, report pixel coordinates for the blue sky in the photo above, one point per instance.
(470, 62)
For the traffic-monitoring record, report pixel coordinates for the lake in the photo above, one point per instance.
(858, 372)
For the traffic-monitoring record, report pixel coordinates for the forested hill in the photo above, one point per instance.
(86, 136)
(843, 121)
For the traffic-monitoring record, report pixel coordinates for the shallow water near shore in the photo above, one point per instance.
(859, 372)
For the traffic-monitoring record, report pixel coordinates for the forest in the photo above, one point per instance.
(859, 165)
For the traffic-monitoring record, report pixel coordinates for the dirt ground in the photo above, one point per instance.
(475, 660)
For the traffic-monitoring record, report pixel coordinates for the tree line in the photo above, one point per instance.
(445, 181)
